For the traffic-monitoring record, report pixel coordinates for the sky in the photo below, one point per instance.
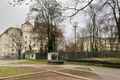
(15, 16)
(11, 16)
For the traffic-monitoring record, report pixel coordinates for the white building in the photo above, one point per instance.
(14, 40)
(8, 42)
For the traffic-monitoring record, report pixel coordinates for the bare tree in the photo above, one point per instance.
(92, 26)
(49, 13)
(115, 8)
(78, 6)
(109, 22)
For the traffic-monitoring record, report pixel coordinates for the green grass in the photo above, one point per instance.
(41, 61)
(11, 71)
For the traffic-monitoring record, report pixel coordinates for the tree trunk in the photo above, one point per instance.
(118, 27)
(51, 40)
(19, 54)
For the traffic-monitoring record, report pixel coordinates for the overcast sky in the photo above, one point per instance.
(11, 16)
(15, 16)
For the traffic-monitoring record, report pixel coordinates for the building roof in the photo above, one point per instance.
(10, 28)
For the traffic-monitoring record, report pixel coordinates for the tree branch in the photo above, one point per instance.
(78, 10)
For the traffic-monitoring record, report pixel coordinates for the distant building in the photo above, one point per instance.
(14, 42)
(31, 42)
(28, 42)
(86, 44)
(8, 47)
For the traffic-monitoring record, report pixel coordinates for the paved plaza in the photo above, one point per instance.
(62, 72)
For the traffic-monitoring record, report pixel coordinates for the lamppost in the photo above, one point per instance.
(75, 25)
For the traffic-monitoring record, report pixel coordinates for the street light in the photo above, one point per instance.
(75, 25)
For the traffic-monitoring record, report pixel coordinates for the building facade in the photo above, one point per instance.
(9, 43)
(33, 45)
(15, 42)
(87, 44)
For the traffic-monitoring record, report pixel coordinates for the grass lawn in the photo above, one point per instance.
(41, 61)
(10, 71)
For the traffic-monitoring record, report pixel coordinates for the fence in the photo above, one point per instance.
(78, 55)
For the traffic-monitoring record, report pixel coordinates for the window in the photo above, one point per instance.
(34, 45)
(25, 37)
(25, 42)
(12, 49)
(25, 48)
(32, 55)
(13, 39)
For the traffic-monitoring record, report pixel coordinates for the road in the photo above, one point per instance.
(44, 76)
(103, 72)
(107, 73)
